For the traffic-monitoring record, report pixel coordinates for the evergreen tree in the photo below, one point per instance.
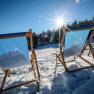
(74, 23)
(49, 35)
(35, 39)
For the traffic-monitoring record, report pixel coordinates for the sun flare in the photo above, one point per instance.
(59, 22)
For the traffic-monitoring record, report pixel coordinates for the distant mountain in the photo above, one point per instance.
(12, 59)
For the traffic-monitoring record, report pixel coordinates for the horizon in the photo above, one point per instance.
(20, 15)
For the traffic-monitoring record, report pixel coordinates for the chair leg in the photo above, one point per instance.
(38, 78)
(38, 84)
(3, 82)
(35, 65)
(36, 74)
(57, 59)
(60, 57)
(35, 70)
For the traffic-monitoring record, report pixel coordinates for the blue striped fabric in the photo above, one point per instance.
(13, 34)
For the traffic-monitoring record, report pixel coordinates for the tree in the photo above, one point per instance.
(49, 35)
(74, 23)
(35, 39)
(93, 18)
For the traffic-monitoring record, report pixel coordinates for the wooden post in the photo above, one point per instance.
(33, 56)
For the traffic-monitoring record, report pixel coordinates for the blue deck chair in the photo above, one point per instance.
(14, 53)
(72, 45)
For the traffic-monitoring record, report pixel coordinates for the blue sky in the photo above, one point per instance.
(20, 15)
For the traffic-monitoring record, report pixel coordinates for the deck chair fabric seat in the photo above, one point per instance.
(14, 52)
(72, 44)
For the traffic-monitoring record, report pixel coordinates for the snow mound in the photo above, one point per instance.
(72, 51)
(80, 82)
(86, 88)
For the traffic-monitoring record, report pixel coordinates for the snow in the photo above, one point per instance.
(72, 51)
(54, 79)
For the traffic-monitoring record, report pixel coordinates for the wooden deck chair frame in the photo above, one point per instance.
(91, 44)
(61, 59)
(33, 62)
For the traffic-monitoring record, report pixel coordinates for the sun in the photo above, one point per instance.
(59, 22)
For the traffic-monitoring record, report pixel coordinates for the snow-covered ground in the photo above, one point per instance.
(54, 79)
